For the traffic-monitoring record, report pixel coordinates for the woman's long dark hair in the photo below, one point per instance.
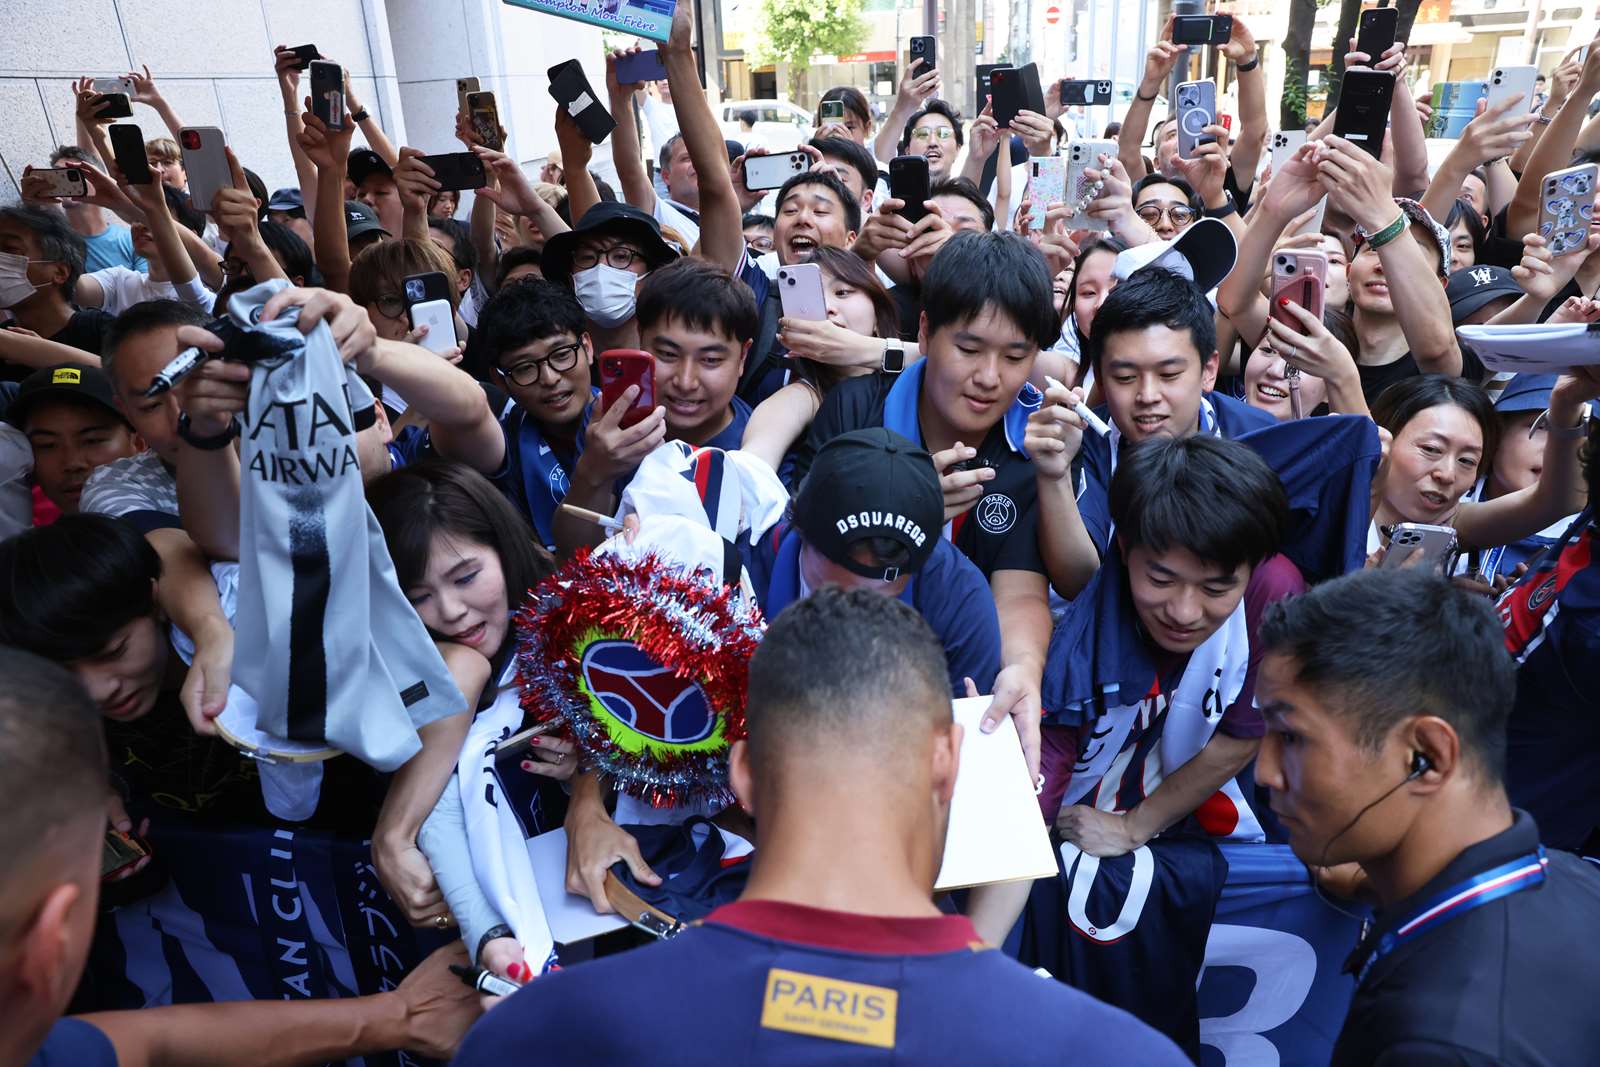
(414, 503)
(852, 270)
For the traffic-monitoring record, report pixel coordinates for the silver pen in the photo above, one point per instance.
(1083, 411)
(181, 366)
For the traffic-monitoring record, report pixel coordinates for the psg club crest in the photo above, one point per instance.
(646, 665)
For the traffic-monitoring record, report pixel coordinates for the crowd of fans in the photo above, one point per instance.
(1181, 528)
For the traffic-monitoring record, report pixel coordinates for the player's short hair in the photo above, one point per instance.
(849, 667)
(1150, 297)
(977, 271)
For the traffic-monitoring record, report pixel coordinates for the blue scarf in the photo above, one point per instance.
(544, 479)
(900, 408)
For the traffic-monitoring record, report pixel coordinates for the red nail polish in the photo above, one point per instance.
(1283, 301)
(533, 740)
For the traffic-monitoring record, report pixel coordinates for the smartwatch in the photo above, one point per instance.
(207, 444)
(894, 356)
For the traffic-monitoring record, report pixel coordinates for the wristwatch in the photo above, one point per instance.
(207, 444)
(894, 356)
(360, 116)
(1230, 208)
(1251, 64)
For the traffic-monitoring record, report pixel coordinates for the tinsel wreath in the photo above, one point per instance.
(580, 636)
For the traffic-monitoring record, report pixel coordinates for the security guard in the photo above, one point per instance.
(835, 952)
(1386, 695)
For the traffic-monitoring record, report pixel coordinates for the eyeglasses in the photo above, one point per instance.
(232, 268)
(557, 359)
(760, 244)
(619, 256)
(1179, 214)
(933, 133)
(390, 306)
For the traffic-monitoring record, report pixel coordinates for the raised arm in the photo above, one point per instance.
(414, 181)
(1158, 65)
(459, 418)
(328, 150)
(1253, 124)
(1491, 135)
(636, 186)
(1361, 187)
(1554, 149)
(86, 120)
(287, 66)
(145, 92)
(237, 222)
(721, 229)
(1292, 191)
(377, 140)
(915, 90)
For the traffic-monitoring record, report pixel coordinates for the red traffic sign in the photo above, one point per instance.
(1052, 15)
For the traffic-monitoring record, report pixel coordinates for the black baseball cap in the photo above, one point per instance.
(363, 163)
(360, 220)
(611, 217)
(66, 381)
(871, 483)
(1472, 287)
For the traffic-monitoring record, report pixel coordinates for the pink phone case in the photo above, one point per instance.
(1299, 277)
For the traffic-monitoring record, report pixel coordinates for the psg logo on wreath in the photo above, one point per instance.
(646, 665)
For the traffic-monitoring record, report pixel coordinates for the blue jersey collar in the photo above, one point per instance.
(900, 408)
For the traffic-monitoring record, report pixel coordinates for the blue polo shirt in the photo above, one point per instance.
(781, 984)
(1221, 416)
(74, 1043)
(948, 592)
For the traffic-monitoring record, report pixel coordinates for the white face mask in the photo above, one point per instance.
(14, 284)
(606, 294)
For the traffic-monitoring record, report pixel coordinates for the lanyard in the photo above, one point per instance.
(1524, 872)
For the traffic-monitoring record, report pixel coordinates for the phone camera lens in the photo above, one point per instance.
(191, 139)
(1289, 269)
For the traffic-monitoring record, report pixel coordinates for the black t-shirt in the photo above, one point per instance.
(1500, 249)
(1375, 379)
(86, 330)
(1000, 532)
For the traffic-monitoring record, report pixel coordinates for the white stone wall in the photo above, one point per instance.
(213, 61)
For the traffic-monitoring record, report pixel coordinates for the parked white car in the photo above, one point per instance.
(780, 125)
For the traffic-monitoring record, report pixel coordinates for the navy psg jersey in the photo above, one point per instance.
(772, 983)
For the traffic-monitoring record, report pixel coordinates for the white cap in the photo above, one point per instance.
(1204, 254)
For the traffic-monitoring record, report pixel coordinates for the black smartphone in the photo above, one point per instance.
(569, 87)
(984, 71)
(422, 288)
(925, 49)
(1084, 91)
(127, 148)
(1376, 30)
(1202, 29)
(307, 53)
(908, 183)
(1363, 112)
(117, 106)
(457, 170)
(1014, 89)
(327, 93)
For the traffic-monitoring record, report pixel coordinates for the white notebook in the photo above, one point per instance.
(1534, 348)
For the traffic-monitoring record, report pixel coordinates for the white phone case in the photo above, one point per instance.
(63, 181)
(1511, 81)
(801, 293)
(1285, 143)
(441, 324)
(206, 162)
(1047, 184)
(770, 172)
(1566, 205)
(113, 85)
(1082, 156)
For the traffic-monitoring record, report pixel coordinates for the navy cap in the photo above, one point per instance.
(871, 483)
(1525, 392)
(1470, 288)
(289, 199)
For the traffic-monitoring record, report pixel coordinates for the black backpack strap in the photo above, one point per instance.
(764, 352)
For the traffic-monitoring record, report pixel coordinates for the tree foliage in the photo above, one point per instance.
(792, 31)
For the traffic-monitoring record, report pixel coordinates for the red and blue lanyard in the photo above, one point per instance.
(1524, 872)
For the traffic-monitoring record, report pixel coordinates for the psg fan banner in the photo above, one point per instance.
(255, 913)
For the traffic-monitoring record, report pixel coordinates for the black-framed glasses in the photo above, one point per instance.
(559, 360)
(391, 306)
(620, 257)
(1179, 214)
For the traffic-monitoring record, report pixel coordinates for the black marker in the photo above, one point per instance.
(484, 981)
(176, 371)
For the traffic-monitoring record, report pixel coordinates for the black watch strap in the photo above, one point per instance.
(361, 116)
(1230, 208)
(1246, 68)
(207, 444)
